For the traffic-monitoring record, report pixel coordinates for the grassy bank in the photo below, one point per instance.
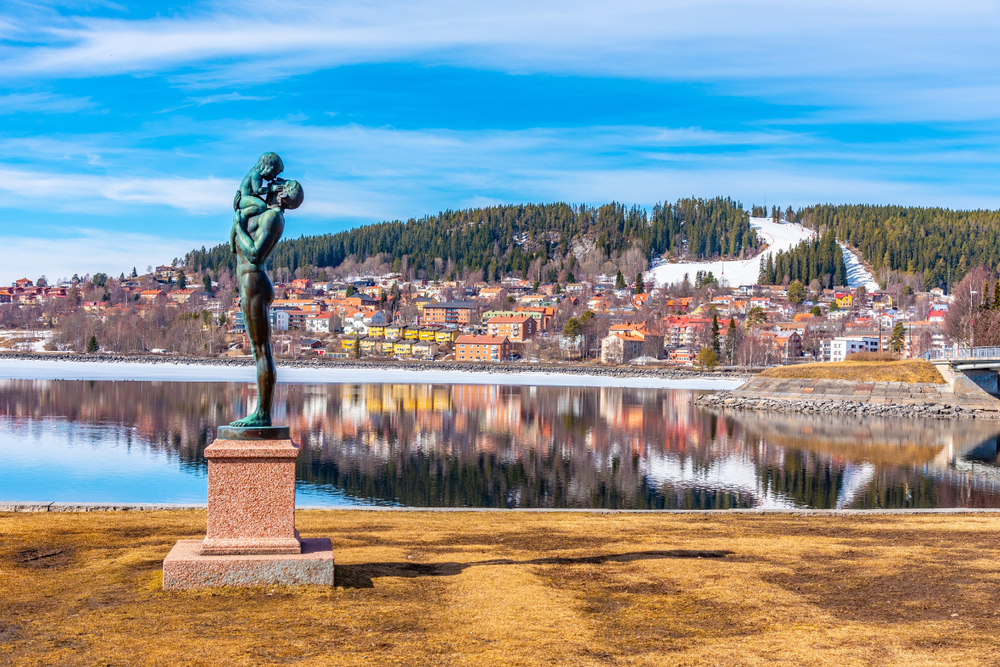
(909, 371)
(517, 589)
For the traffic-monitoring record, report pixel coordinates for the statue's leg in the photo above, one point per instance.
(257, 294)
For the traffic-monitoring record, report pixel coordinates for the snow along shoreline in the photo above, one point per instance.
(164, 370)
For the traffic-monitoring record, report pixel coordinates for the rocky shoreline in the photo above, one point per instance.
(502, 368)
(729, 400)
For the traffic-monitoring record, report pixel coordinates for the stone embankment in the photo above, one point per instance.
(668, 373)
(842, 397)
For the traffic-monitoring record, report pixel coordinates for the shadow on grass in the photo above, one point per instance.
(361, 575)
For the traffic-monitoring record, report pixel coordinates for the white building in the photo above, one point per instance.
(319, 323)
(277, 318)
(842, 346)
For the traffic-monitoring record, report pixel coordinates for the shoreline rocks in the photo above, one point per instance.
(472, 367)
(732, 400)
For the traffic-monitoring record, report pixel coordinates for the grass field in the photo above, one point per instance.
(908, 370)
(517, 589)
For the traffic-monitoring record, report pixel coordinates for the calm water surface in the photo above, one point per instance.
(486, 446)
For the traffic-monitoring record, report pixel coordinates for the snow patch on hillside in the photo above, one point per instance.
(777, 236)
(857, 274)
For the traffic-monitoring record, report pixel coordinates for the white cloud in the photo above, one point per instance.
(822, 49)
(43, 102)
(61, 191)
(86, 251)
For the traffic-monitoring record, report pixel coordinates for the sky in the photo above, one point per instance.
(127, 127)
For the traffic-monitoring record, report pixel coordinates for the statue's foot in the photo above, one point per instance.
(252, 421)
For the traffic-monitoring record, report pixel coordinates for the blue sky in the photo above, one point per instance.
(127, 127)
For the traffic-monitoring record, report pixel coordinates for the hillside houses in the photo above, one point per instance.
(390, 317)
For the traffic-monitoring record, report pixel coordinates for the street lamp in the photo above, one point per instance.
(972, 335)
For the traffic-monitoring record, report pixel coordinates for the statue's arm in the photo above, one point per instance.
(256, 248)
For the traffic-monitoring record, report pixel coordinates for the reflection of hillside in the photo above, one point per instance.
(879, 441)
(500, 446)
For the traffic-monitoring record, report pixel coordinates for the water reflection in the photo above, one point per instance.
(488, 446)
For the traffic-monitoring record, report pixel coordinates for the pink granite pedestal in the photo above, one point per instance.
(185, 567)
(251, 538)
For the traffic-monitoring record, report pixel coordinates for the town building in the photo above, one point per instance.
(450, 312)
(619, 348)
(517, 328)
(842, 346)
(482, 348)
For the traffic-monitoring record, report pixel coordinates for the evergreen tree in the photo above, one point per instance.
(996, 295)
(505, 240)
(206, 280)
(181, 280)
(620, 280)
(92, 345)
(731, 341)
(715, 334)
(640, 287)
(135, 274)
(796, 292)
(897, 340)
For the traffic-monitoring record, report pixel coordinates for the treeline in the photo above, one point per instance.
(819, 259)
(507, 240)
(938, 244)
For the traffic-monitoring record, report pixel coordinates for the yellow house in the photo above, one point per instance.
(845, 299)
(376, 331)
(369, 345)
(386, 345)
(411, 333)
(429, 334)
(349, 344)
(394, 331)
(446, 336)
(403, 347)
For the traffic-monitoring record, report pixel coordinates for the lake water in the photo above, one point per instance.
(485, 446)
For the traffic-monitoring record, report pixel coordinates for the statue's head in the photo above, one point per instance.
(290, 195)
(270, 165)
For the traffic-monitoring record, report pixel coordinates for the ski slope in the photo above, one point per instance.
(857, 274)
(777, 236)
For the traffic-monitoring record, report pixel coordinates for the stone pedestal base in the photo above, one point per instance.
(251, 538)
(185, 567)
(251, 498)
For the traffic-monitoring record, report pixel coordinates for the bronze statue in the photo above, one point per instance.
(257, 227)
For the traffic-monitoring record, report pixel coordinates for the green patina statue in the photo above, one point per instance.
(257, 227)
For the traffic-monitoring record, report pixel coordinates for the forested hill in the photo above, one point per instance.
(938, 244)
(508, 240)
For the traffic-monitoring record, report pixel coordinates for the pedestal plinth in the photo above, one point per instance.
(251, 498)
(251, 538)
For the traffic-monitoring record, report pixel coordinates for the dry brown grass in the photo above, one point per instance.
(516, 589)
(908, 370)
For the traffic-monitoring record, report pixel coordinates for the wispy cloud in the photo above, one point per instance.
(43, 103)
(85, 250)
(87, 192)
(758, 45)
